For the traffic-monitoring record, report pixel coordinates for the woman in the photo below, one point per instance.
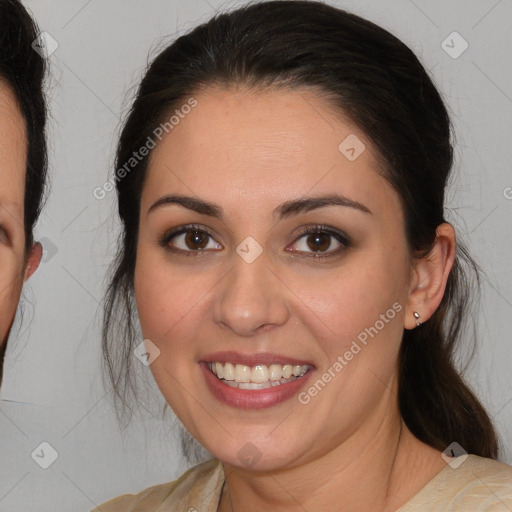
(281, 183)
(23, 162)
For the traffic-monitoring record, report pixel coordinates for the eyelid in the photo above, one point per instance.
(185, 228)
(339, 235)
(166, 238)
(342, 238)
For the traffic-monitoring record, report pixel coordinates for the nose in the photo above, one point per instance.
(251, 298)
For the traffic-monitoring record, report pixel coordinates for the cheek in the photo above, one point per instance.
(171, 308)
(342, 304)
(356, 318)
(167, 299)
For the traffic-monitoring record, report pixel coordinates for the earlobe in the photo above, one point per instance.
(34, 258)
(430, 275)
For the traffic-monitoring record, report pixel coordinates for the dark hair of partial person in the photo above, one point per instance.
(24, 71)
(369, 75)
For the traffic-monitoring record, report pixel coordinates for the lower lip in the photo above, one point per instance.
(252, 398)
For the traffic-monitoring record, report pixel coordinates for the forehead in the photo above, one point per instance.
(261, 147)
(13, 149)
(273, 126)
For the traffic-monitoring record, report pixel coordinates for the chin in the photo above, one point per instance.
(253, 456)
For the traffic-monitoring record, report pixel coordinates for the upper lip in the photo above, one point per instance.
(265, 358)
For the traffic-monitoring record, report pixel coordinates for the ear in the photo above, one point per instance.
(34, 258)
(429, 277)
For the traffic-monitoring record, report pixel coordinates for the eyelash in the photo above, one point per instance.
(321, 229)
(341, 237)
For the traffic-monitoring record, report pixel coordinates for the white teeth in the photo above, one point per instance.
(228, 371)
(259, 376)
(253, 385)
(275, 372)
(287, 371)
(296, 370)
(242, 373)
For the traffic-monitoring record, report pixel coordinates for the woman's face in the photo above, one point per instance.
(13, 161)
(268, 240)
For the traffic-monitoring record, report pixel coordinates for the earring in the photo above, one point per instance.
(417, 317)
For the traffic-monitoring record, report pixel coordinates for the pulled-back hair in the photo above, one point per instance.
(370, 76)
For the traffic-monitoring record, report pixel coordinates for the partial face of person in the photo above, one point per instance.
(14, 267)
(272, 276)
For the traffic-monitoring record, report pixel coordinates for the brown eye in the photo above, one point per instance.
(189, 239)
(196, 239)
(319, 241)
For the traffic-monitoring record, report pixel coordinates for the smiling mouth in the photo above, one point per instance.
(259, 376)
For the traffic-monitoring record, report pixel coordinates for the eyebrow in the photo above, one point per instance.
(284, 210)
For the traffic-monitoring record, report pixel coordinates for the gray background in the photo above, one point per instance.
(53, 389)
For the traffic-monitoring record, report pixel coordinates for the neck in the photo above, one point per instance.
(379, 468)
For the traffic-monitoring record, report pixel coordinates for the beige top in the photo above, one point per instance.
(477, 485)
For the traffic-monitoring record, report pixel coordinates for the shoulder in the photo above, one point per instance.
(200, 484)
(489, 486)
(477, 483)
(492, 475)
(482, 471)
